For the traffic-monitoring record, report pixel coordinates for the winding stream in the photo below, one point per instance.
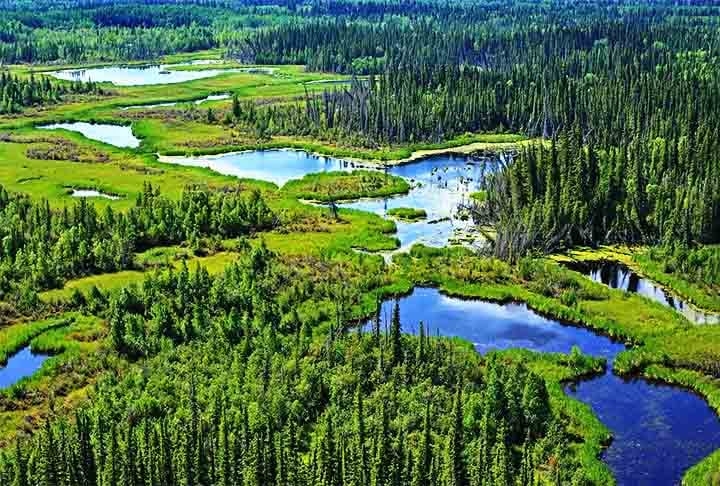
(659, 430)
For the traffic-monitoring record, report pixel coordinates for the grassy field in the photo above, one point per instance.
(336, 186)
(284, 81)
(702, 295)
(75, 342)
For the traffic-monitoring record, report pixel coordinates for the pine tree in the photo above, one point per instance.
(457, 475)
(396, 348)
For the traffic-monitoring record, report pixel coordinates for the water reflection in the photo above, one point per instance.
(92, 193)
(618, 276)
(143, 75)
(659, 431)
(277, 166)
(217, 97)
(21, 365)
(117, 135)
(440, 185)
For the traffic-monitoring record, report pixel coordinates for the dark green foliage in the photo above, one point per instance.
(183, 434)
(18, 93)
(699, 265)
(45, 247)
(571, 193)
(266, 407)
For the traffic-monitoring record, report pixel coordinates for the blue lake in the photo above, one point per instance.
(659, 431)
(198, 102)
(141, 75)
(277, 166)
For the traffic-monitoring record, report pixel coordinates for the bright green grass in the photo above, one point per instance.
(124, 174)
(407, 214)
(638, 260)
(285, 82)
(703, 296)
(61, 382)
(335, 186)
(17, 336)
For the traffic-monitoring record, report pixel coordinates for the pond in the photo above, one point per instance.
(22, 364)
(439, 185)
(141, 75)
(618, 276)
(659, 431)
(92, 193)
(117, 135)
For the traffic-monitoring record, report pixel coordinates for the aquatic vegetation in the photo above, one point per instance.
(338, 186)
(407, 214)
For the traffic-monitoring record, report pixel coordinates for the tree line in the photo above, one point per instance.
(18, 93)
(43, 247)
(630, 105)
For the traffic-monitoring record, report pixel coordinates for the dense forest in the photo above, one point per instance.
(41, 247)
(256, 400)
(631, 107)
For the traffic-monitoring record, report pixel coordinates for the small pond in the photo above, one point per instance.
(92, 193)
(659, 431)
(117, 135)
(22, 364)
(618, 276)
(439, 185)
(277, 166)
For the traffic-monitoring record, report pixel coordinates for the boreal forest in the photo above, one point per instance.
(359, 242)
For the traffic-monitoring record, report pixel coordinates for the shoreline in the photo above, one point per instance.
(417, 155)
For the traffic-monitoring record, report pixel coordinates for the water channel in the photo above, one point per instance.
(20, 365)
(659, 430)
(117, 135)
